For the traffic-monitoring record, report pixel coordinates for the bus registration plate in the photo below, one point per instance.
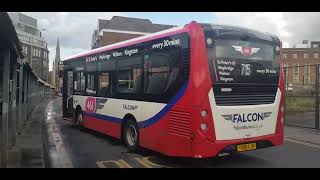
(246, 147)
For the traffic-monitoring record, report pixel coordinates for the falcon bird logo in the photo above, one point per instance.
(247, 51)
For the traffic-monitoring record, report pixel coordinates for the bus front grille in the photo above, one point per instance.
(236, 100)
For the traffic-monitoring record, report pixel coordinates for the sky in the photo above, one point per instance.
(75, 29)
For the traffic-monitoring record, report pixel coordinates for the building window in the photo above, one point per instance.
(295, 72)
(284, 56)
(25, 50)
(316, 55)
(294, 56)
(307, 73)
(305, 56)
(285, 72)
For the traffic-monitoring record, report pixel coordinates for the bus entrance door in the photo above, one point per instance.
(67, 92)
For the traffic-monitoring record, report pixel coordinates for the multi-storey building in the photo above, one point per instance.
(33, 44)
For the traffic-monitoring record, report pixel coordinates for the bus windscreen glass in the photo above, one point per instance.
(237, 61)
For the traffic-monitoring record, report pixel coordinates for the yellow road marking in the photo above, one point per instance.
(302, 142)
(120, 163)
(127, 165)
(147, 163)
(146, 159)
(141, 161)
(101, 164)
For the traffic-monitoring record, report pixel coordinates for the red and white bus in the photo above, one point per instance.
(194, 91)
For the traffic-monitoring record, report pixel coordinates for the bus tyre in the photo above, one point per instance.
(131, 135)
(79, 118)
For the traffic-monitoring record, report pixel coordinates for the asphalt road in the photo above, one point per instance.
(83, 148)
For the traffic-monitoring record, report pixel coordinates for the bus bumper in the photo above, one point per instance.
(208, 148)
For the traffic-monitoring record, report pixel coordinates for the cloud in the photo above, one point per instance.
(73, 28)
(65, 52)
(290, 27)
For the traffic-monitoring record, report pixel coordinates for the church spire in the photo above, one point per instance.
(57, 58)
(56, 64)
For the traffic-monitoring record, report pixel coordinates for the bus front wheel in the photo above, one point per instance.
(79, 118)
(131, 135)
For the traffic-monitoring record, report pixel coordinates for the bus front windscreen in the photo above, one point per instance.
(237, 61)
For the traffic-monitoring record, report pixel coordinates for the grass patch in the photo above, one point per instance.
(300, 104)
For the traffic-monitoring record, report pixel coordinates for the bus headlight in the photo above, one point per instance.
(203, 126)
(204, 113)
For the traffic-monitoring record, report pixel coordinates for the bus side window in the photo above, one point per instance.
(104, 87)
(156, 73)
(163, 73)
(91, 71)
(129, 75)
(106, 71)
(82, 82)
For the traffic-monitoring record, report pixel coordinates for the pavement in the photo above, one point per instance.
(29, 151)
(49, 141)
(302, 119)
(307, 135)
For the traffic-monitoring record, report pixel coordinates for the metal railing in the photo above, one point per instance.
(21, 91)
(302, 95)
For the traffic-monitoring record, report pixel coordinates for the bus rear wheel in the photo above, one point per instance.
(131, 135)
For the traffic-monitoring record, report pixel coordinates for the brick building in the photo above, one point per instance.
(299, 64)
(122, 28)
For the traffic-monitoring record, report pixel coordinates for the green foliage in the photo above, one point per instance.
(300, 104)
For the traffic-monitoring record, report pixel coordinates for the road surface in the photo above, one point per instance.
(70, 146)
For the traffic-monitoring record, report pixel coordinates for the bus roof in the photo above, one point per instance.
(127, 42)
(260, 34)
(263, 35)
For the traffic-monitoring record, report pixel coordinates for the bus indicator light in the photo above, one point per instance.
(204, 113)
(203, 126)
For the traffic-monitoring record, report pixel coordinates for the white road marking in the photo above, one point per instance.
(302, 143)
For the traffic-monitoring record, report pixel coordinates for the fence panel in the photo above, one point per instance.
(301, 95)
